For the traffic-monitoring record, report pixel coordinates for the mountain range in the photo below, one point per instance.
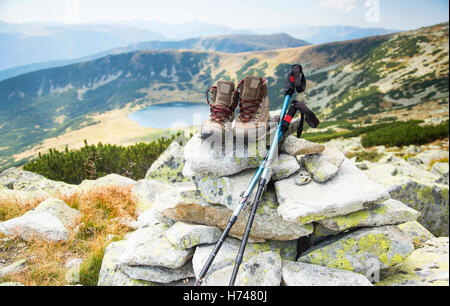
(33, 43)
(312, 34)
(37, 42)
(346, 80)
(226, 43)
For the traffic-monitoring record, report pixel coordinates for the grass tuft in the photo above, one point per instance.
(102, 209)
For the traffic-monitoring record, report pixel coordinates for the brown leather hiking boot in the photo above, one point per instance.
(223, 104)
(253, 116)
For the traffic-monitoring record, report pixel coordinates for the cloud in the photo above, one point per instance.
(339, 5)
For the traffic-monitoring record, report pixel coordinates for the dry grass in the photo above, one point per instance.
(101, 210)
(15, 208)
(439, 160)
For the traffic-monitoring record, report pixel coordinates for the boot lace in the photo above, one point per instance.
(219, 112)
(248, 107)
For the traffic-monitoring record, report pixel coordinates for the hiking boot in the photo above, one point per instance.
(253, 116)
(222, 107)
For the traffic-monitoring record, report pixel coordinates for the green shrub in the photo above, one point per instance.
(94, 161)
(405, 133)
(332, 134)
(387, 119)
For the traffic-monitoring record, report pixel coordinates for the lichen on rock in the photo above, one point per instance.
(363, 251)
(390, 212)
(427, 266)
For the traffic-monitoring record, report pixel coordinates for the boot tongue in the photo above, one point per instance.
(224, 92)
(250, 87)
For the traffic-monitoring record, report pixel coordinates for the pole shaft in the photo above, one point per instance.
(266, 165)
(240, 255)
(213, 254)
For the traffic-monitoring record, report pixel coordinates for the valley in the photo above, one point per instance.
(398, 75)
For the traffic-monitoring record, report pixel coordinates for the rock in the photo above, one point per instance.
(169, 165)
(430, 200)
(345, 145)
(185, 236)
(415, 187)
(427, 157)
(58, 208)
(440, 168)
(304, 274)
(444, 179)
(390, 212)
(416, 232)
(362, 166)
(152, 193)
(325, 165)
(126, 221)
(347, 192)
(110, 272)
(284, 166)
(10, 284)
(22, 197)
(412, 149)
(365, 251)
(152, 217)
(14, 178)
(149, 246)
(321, 233)
(302, 178)
(298, 146)
(107, 180)
(38, 226)
(380, 149)
(227, 254)
(225, 190)
(268, 225)
(73, 270)
(261, 270)
(187, 172)
(158, 274)
(427, 266)
(13, 268)
(206, 161)
(116, 273)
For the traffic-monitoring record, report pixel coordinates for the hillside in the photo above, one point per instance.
(346, 80)
(224, 43)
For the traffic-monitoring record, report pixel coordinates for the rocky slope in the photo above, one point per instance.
(346, 80)
(322, 221)
(415, 175)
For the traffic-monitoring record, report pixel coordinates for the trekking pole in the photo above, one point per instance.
(283, 126)
(295, 82)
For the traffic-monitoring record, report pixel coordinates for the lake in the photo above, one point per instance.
(171, 115)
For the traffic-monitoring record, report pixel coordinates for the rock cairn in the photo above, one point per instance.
(321, 221)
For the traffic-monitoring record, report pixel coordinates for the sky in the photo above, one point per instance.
(238, 14)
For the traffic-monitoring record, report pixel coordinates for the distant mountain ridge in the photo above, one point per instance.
(224, 43)
(35, 42)
(349, 79)
(326, 34)
(33, 46)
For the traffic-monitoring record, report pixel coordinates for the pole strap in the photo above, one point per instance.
(296, 81)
